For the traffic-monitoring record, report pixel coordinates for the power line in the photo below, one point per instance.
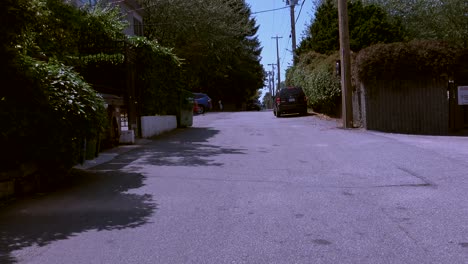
(300, 11)
(270, 10)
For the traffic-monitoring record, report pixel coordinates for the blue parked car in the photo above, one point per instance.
(203, 102)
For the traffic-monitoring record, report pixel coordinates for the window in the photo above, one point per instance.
(137, 27)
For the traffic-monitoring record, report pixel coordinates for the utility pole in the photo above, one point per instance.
(270, 98)
(346, 89)
(278, 62)
(273, 78)
(269, 83)
(292, 4)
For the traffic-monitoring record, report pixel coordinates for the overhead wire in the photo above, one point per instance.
(285, 50)
(300, 10)
(270, 10)
(290, 35)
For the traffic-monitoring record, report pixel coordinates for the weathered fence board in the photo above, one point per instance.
(417, 106)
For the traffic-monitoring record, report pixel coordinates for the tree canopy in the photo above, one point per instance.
(430, 19)
(368, 25)
(48, 109)
(217, 41)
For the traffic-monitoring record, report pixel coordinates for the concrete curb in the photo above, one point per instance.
(110, 154)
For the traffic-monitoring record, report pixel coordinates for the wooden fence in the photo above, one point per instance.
(419, 106)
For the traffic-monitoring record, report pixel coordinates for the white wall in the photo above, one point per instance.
(155, 125)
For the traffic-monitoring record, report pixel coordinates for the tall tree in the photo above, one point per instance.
(431, 19)
(216, 38)
(368, 24)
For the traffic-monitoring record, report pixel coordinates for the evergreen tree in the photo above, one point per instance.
(216, 39)
(368, 25)
(430, 19)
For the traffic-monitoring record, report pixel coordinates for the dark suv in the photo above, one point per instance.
(290, 100)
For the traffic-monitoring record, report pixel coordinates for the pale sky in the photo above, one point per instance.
(278, 23)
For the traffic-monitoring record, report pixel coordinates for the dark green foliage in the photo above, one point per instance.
(431, 19)
(61, 30)
(218, 45)
(14, 18)
(47, 119)
(315, 73)
(368, 25)
(46, 108)
(406, 60)
(160, 76)
(323, 33)
(74, 103)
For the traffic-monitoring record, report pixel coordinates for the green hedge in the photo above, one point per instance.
(315, 73)
(406, 60)
(48, 115)
(160, 75)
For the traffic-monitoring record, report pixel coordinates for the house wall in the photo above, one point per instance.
(130, 8)
(133, 12)
(418, 106)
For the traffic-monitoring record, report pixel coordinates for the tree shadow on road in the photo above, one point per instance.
(188, 147)
(94, 201)
(98, 199)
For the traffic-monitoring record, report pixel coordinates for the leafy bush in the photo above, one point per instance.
(431, 19)
(78, 107)
(406, 60)
(160, 75)
(49, 109)
(50, 115)
(58, 29)
(315, 73)
(307, 63)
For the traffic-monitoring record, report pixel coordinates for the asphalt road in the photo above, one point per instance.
(248, 187)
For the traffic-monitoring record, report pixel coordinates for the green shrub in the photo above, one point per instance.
(405, 60)
(46, 120)
(315, 73)
(160, 76)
